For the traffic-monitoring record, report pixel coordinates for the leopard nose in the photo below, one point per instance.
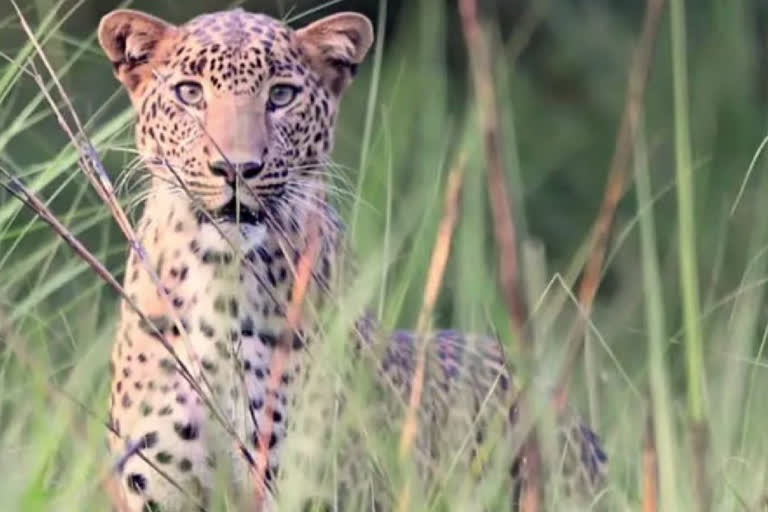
(223, 169)
(229, 170)
(250, 170)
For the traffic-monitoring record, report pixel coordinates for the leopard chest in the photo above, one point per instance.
(224, 316)
(232, 309)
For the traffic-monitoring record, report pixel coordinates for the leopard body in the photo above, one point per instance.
(235, 123)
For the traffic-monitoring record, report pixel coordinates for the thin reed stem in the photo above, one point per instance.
(504, 228)
(432, 287)
(689, 278)
(662, 435)
(618, 175)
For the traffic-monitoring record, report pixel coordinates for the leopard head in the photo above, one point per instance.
(235, 110)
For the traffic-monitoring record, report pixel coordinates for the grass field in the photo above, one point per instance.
(673, 366)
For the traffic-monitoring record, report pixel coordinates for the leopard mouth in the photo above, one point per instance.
(237, 213)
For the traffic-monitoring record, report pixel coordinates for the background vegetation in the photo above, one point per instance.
(560, 72)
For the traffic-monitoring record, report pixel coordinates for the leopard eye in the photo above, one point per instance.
(189, 93)
(281, 95)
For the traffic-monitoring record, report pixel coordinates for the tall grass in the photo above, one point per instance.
(677, 332)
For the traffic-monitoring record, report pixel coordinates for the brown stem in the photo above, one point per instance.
(619, 170)
(435, 273)
(282, 353)
(637, 81)
(650, 470)
(503, 225)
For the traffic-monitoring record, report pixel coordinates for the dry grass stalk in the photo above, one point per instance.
(90, 163)
(637, 81)
(29, 199)
(21, 192)
(434, 281)
(503, 225)
(639, 72)
(650, 470)
(302, 276)
(438, 261)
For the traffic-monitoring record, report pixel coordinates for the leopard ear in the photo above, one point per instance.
(134, 41)
(335, 45)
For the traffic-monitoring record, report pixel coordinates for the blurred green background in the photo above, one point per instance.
(560, 71)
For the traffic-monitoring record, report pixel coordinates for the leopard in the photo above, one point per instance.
(235, 120)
